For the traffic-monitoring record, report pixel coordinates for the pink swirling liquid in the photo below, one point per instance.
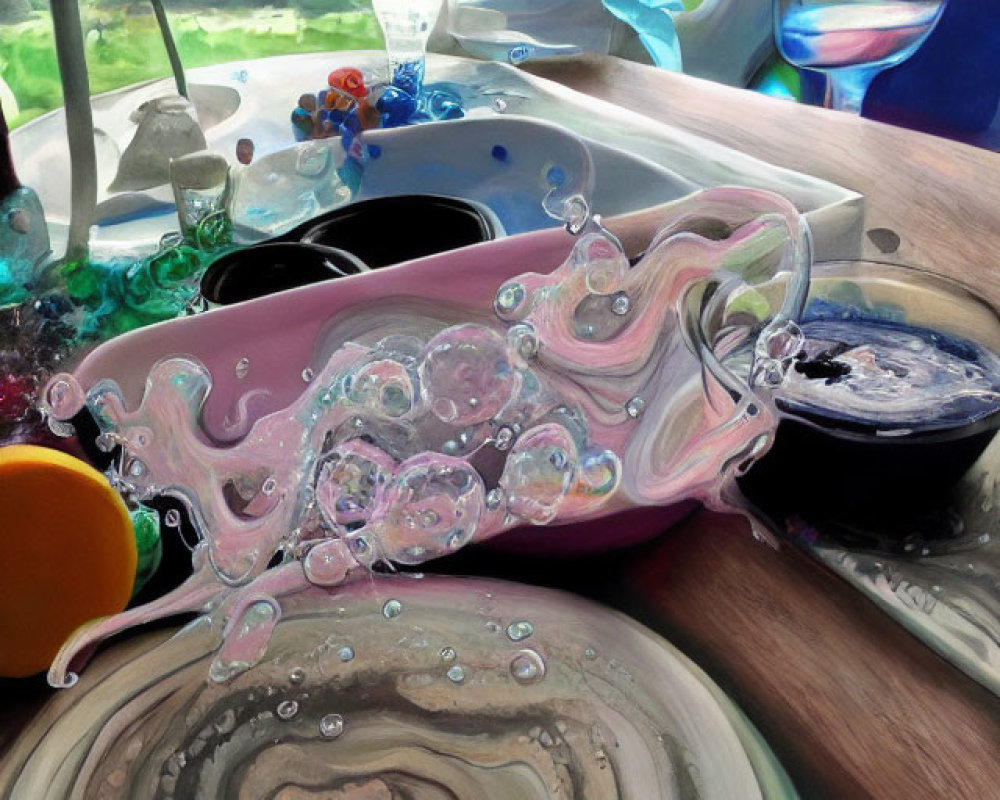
(833, 35)
(515, 399)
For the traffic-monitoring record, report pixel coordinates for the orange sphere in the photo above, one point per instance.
(349, 79)
(67, 553)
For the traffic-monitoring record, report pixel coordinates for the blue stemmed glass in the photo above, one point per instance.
(852, 40)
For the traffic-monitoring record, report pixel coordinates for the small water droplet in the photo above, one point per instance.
(509, 297)
(527, 667)
(523, 340)
(58, 393)
(242, 368)
(504, 437)
(136, 468)
(635, 407)
(360, 545)
(331, 726)
(346, 653)
(269, 486)
(69, 680)
(287, 709)
(308, 374)
(392, 609)
(520, 630)
(226, 722)
(493, 499)
(492, 626)
(500, 105)
(297, 676)
(448, 654)
(456, 673)
(518, 54)
(590, 654)
(621, 305)
(172, 519)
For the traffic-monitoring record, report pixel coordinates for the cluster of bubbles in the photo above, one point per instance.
(398, 452)
(473, 398)
(423, 436)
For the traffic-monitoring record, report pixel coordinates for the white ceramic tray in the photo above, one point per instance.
(254, 99)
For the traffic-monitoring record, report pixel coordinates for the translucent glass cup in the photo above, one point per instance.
(851, 41)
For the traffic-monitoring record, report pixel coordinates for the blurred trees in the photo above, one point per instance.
(305, 6)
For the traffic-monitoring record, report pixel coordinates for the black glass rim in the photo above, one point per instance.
(369, 234)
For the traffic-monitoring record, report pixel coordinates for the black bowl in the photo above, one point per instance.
(904, 458)
(271, 267)
(390, 230)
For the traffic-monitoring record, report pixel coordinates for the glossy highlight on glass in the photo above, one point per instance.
(852, 40)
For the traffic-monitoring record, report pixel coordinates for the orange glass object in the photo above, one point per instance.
(349, 79)
(67, 553)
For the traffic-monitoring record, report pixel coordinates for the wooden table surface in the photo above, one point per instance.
(941, 198)
(853, 705)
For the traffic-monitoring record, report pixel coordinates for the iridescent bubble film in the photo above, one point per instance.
(419, 433)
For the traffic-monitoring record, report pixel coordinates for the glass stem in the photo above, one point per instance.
(847, 86)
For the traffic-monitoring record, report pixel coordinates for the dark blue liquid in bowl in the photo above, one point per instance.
(881, 420)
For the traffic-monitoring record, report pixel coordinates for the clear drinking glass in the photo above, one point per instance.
(406, 26)
(852, 40)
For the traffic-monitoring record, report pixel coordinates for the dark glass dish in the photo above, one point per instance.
(366, 235)
(264, 269)
(899, 465)
(390, 230)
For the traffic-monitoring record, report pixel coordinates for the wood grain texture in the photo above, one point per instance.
(852, 704)
(941, 197)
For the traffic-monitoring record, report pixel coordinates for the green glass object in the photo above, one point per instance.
(83, 281)
(146, 524)
(214, 231)
(778, 78)
(173, 266)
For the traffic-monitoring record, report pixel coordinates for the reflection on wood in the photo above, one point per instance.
(852, 704)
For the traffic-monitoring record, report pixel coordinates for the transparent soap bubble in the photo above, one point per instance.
(467, 375)
(539, 473)
(350, 481)
(432, 507)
